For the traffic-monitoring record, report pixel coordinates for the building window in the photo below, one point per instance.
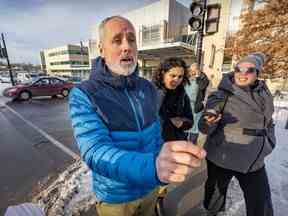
(70, 63)
(151, 34)
(70, 52)
(212, 56)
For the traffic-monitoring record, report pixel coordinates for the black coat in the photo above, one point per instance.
(203, 82)
(174, 103)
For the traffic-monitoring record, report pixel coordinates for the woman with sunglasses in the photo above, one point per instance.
(174, 105)
(239, 124)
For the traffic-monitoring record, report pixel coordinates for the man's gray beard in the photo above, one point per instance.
(117, 69)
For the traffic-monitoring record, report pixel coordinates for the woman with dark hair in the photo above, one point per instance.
(174, 105)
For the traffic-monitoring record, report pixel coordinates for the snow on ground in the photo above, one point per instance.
(72, 192)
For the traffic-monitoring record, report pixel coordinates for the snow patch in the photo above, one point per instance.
(70, 194)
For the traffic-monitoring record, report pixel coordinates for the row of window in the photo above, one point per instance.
(66, 52)
(69, 71)
(70, 63)
(151, 33)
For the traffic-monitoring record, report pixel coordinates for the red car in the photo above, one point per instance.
(43, 86)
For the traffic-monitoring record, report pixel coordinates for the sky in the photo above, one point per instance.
(30, 26)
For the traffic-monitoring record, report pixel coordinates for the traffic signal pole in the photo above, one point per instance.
(201, 36)
(7, 58)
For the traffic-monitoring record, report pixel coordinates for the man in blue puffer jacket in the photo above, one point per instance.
(115, 120)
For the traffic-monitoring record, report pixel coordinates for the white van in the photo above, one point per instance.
(23, 77)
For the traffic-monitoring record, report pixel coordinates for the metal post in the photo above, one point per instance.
(200, 36)
(82, 61)
(7, 58)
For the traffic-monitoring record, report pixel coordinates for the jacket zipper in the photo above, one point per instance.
(259, 153)
(134, 109)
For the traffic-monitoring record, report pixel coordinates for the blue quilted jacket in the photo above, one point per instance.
(117, 129)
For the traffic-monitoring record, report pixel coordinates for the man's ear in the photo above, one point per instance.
(100, 49)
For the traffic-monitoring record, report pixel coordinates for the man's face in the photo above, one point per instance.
(119, 48)
(193, 71)
(245, 76)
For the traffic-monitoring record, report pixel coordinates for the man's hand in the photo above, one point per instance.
(212, 119)
(177, 121)
(177, 159)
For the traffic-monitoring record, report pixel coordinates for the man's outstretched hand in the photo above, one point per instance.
(177, 159)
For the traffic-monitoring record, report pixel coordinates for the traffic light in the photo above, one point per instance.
(197, 11)
(213, 17)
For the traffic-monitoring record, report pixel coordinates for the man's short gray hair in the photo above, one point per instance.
(105, 21)
(195, 65)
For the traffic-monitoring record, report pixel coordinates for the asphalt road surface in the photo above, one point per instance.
(36, 144)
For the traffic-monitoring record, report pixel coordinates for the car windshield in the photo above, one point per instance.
(28, 82)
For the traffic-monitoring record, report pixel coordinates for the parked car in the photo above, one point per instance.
(5, 79)
(73, 79)
(43, 86)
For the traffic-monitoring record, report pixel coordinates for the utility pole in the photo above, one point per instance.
(82, 61)
(5, 55)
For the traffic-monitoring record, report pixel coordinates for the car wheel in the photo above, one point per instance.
(24, 95)
(65, 92)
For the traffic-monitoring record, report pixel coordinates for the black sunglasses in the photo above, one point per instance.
(245, 70)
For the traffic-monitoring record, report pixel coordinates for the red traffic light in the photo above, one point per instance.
(196, 8)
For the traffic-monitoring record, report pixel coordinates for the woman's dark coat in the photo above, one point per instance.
(174, 103)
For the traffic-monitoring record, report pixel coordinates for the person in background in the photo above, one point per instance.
(116, 125)
(239, 124)
(196, 91)
(174, 106)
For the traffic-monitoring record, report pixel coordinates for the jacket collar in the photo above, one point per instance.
(100, 72)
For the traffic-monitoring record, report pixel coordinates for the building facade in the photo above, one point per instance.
(214, 45)
(68, 60)
(162, 31)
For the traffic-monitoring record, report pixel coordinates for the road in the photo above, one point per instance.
(29, 155)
